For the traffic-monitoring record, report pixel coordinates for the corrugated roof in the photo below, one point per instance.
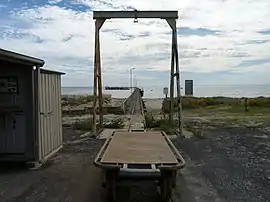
(47, 71)
(20, 58)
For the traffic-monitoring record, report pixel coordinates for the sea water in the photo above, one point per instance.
(199, 91)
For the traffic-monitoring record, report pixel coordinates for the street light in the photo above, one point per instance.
(135, 81)
(130, 72)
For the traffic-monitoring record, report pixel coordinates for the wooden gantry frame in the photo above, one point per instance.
(171, 17)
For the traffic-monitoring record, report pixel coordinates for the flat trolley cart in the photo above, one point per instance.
(140, 155)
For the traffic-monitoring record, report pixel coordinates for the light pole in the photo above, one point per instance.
(130, 72)
(134, 81)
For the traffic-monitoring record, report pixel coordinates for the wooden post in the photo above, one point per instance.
(175, 62)
(100, 97)
(179, 100)
(172, 87)
(97, 75)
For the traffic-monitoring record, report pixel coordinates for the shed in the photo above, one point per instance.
(30, 109)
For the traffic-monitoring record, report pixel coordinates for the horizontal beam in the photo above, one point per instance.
(135, 14)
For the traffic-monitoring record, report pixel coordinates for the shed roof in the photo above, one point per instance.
(20, 58)
(47, 71)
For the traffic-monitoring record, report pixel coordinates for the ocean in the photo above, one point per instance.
(199, 91)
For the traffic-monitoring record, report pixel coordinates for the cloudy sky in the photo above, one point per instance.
(221, 42)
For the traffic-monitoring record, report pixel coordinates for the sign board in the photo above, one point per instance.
(9, 85)
(189, 87)
(165, 91)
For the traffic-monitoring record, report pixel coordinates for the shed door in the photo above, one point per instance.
(13, 134)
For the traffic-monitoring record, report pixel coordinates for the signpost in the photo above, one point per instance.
(165, 92)
(189, 88)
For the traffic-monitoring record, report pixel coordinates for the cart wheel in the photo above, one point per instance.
(111, 186)
(166, 187)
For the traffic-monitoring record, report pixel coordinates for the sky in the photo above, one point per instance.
(220, 42)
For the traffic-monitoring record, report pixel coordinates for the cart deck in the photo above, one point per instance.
(138, 148)
(136, 155)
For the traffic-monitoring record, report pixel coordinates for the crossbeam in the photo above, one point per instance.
(135, 14)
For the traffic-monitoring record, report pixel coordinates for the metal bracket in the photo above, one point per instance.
(176, 75)
(172, 23)
(99, 23)
(135, 16)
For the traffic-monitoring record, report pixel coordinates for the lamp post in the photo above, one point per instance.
(135, 81)
(130, 72)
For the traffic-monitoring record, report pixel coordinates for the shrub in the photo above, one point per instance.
(149, 120)
(195, 102)
(160, 124)
(83, 99)
(85, 125)
(115, 124)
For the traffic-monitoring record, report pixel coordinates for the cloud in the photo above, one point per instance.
(213, 36)
(265, 32)
(247, 63)
(257, 41)
(186, 31)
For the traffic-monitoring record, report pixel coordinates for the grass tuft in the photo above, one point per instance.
(87, 124)
(70, 100)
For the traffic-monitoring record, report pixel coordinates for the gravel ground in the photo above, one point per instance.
(228, 165)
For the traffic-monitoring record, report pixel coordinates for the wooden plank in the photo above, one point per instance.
(133, 14)
(138, 148)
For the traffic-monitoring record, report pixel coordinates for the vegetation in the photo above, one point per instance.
(114, 110)
(115, 124)
(81, 105)
(69, 100)
(87, 124)
(89, 110)
(158, 124)
(84, 125)
(237, 105)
